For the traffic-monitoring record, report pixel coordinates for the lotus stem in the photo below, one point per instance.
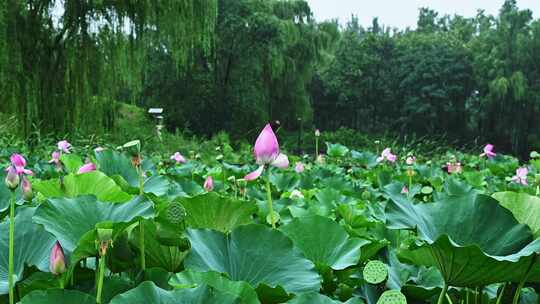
(442, 295)
(141, 225)
(449, 299)
(11, 245)
(101, 274)
(522, 282)
(410, 186)
(316, 147)
(269, 199)
(499, 298)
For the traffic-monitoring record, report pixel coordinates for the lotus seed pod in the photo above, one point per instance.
(175, 213)
(392, 297)
(375, 272)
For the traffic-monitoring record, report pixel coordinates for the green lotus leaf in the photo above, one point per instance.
(375, 272)
(157, 185)
(55, 296)
(524, 207)
(312, 298)
(148, 292)
(255, 254)
(114, 163)
(324, 241)
(74, 220)
(72, 162)
(213, 211)
(471, 239)
(95, 183)
(32, 246)
(191, 279)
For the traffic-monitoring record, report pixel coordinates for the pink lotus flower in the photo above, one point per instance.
(454, 167)
(404, 190)
(64, 146)
(178, 158)
(266, 152)
(387, 155)
(521, 176)
(12, 178)
(57, 261)
(299, 167)
(18, 162)
(209, 183)
(410, 160)
(89, 167)
(55, 157)
(488, 151)
(26, 187)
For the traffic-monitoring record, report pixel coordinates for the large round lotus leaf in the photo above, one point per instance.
(213, 211)
(255, 254)
(71, 162)
(524, 207)
(472, 240)
(157, 185)
(324, 241)
(191, 279)
(95, 183)
(312, 298)
(114, 163)
(69, 219)
(32, 246)
(375, 272)
(56, 296)
(392, 297)
(148, 292)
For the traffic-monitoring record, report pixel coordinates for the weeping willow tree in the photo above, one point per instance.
(64, 64)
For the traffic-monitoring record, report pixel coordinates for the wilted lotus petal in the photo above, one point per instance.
(209, 183)
(64, 146)
(89, 167)
(521, 176)
(57, 262)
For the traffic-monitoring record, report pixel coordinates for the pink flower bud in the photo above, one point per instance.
(27, 189)
(12, 178)
(57, 262)
(299, 167)
(178, 158)
(89, 167)
(209, 183)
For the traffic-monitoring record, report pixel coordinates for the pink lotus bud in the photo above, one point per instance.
(404, 190)
(57, 262)
(266, 152)
(89, 167)
(317, 132)
(64, 146)
(12, 178)
(27, 189)
(266, 148)
(299, 167)
(178, 158)
(209, 183)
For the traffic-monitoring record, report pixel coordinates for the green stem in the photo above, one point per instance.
(269, 199)
(11, 245)
(499, 298)
(522, 282)
(410, 186)
(443, 293)
(141, 225)
(449, 299)
(316, 148)
(100, 279)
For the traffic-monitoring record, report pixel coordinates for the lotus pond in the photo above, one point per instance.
(115, 225)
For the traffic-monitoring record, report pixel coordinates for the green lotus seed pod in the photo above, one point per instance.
(392, 297)
(375, 272)
(175, 213)
(366, 195)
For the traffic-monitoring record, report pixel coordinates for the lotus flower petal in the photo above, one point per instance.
(255, 174)
(281, 161)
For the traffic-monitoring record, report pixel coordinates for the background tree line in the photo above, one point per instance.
(233, 64)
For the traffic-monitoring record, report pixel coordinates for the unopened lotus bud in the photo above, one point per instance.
(27, 192)
(57, 261)
(317, 132)
(209, 183)
(12, 178)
